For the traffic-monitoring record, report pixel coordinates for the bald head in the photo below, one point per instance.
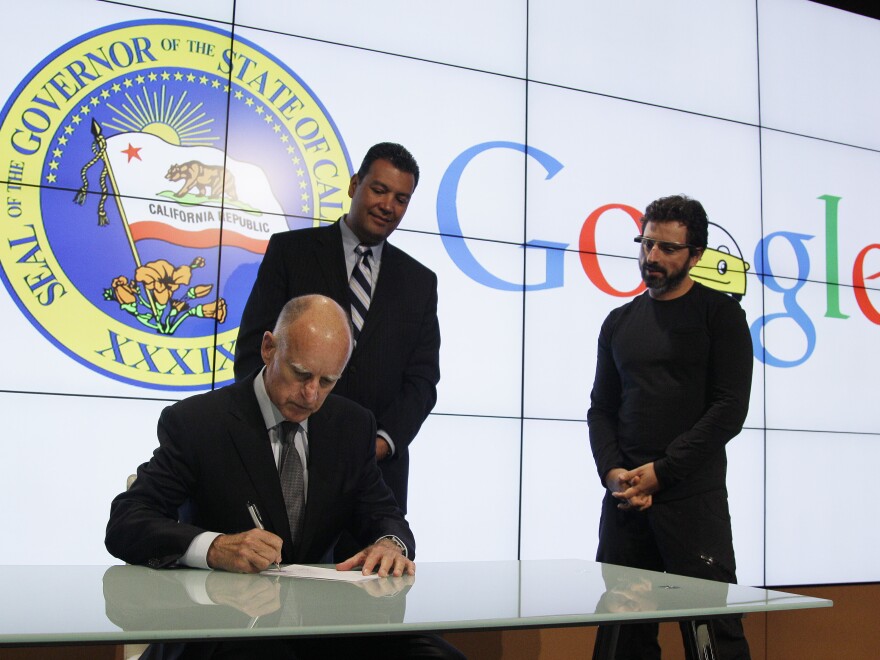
(305, 354)
(318, 315)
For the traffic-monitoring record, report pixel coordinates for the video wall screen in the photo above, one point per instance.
(542, 129)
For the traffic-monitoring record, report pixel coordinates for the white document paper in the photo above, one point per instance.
(317, 573)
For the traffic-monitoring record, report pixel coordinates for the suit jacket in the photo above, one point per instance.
(215, 456)
(394, 368)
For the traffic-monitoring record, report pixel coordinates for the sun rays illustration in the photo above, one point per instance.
(177, 121)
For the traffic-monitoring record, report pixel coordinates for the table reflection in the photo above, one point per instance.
(142, 599)
(627, 590)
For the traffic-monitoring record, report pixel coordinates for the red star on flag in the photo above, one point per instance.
(132, 152)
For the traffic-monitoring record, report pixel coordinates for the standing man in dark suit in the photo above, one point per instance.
(223, 451)
(394, 368)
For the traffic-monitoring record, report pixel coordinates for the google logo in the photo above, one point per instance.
(720, 268)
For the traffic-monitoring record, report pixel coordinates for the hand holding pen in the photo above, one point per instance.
(258, 523)
(252, 551)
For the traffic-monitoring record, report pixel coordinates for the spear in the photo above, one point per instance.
(102, 152)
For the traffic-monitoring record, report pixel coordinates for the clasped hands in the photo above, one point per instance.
(634, 488)
(255, 550)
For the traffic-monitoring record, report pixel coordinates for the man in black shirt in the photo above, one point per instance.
(672, 385)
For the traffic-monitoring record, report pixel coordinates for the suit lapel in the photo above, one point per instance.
(386, 291)
(249, 435)
(330, 260)
(323, 467)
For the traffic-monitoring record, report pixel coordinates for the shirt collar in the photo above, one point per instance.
(350, 241)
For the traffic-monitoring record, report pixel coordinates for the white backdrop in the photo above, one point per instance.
(766, 114)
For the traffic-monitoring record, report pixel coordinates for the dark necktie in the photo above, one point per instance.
(290, 470)
(360, 289)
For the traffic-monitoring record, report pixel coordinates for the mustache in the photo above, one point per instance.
(651, 265)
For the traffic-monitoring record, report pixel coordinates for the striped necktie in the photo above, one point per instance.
(290, 471)
(360, 289)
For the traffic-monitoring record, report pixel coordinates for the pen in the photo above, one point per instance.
(258, 523)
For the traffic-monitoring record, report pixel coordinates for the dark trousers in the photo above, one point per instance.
(691, 537)
(390, 647)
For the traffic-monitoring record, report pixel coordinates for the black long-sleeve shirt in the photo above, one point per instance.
(672, 386)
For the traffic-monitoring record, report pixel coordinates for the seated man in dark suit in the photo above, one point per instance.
(281, 441)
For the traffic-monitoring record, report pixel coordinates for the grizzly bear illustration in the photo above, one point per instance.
(195, 174)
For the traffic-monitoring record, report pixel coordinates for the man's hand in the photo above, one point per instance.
(612, 480)
(635, 487)
(383, 449)
(629, 595)
(248, 552)
(384, 557)
(391, 586)
(255, 596)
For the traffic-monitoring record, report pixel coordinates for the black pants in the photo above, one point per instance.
(390, 647)
(690, 537)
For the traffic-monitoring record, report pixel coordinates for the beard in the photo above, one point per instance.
(660, 280)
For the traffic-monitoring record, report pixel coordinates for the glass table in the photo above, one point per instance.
(134, 604)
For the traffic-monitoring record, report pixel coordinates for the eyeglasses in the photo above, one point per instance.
(666, 247)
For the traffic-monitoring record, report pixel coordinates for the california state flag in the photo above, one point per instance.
(174, 194)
